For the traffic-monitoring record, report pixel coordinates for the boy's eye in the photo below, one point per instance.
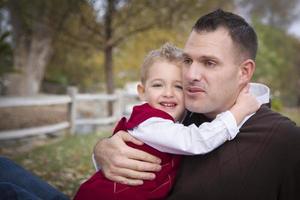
(156, 85)
(179, 87)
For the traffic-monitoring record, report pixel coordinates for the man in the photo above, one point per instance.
(263, 162)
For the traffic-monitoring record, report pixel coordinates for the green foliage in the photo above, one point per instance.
(277, 104)
(130, 55)
(277, 63)
(77, 59)
(71, 66)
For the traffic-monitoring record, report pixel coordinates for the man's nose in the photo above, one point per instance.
(193, 72)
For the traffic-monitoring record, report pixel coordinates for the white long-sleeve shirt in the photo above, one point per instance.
(166, 136)
(175, 138)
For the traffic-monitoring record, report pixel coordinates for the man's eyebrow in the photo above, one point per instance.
(209, 57)
(185, 55)
(203, 57)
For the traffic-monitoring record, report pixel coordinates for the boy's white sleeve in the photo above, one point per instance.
(167, 136)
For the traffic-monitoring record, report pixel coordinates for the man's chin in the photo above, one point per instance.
(195, 108)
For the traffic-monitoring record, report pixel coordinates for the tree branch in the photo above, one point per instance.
(120, 39)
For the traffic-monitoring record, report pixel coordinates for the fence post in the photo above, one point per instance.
(72, 92)
(118, 111)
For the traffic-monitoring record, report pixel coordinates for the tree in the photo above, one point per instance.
(35, 24)
(276, 13)
(278, 62)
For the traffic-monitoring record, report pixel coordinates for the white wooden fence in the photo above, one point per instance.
(71, 100)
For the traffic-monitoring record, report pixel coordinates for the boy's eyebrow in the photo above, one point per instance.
(157, 79)
(178, 81)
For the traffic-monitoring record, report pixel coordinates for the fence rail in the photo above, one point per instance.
(34, 101)
(15, 134)
(72, 100)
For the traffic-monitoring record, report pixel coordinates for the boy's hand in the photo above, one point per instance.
(245, 104)
(122, 163)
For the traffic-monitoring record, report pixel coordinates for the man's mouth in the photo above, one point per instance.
(194, 89)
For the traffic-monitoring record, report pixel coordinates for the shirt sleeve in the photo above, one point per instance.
(97, 167)
(167, 136)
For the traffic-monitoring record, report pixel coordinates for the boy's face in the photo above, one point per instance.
(163, 88)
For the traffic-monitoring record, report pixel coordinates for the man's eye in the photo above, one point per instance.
(187, 61)
(210, 63)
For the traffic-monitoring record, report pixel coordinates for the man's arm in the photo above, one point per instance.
(122, 163)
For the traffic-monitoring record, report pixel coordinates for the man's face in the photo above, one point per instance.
(211, 74)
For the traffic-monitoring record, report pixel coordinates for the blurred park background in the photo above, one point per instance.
(98, 46)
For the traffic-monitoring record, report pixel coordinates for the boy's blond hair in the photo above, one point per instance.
(168, 52)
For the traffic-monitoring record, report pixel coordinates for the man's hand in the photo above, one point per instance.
(124, 164)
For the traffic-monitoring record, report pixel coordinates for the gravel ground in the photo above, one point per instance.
(26, 117)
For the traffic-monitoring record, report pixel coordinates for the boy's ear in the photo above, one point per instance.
(141, 91)
(247, 69)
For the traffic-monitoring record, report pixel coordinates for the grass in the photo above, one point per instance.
(65, 163)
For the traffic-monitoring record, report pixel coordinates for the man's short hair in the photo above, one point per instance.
(168, 53)
(241, 33)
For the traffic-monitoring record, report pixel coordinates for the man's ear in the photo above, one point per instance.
(141, 91)
(247, 69)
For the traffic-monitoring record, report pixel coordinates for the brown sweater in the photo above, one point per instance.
(262, 162)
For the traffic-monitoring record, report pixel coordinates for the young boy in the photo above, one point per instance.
(161, 87)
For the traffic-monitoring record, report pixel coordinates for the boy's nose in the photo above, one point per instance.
(168, 92)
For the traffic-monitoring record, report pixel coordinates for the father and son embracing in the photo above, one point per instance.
(198, 103)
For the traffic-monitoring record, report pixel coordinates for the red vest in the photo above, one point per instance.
(98, 187)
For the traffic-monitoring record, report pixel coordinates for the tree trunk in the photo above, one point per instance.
(108, 51)
(30, 62)
(109, 76)
(32, 50)
(298, 94)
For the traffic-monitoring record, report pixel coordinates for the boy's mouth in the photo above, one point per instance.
(168, 104)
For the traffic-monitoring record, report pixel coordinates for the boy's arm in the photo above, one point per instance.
(167, 136)
(245, 105)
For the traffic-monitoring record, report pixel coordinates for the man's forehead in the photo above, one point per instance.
(212, 43)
